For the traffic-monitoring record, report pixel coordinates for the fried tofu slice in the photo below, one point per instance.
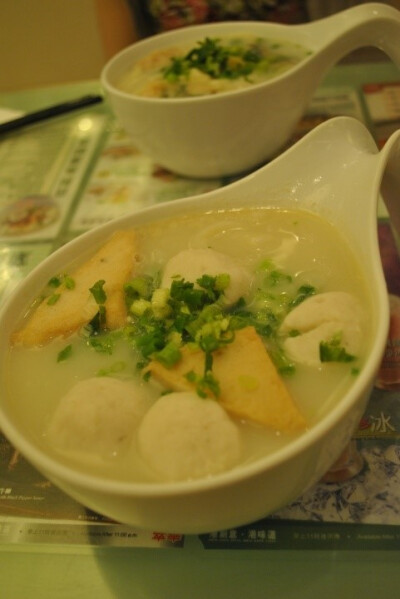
(113, 263)
(250, 386)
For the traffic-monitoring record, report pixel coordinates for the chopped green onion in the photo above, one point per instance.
(216, 60)
(64, 354)
(98, 292)
(103, 344)
(54, 282)
(205, 385)
(333, 351)
(53, 299)
(140, 306)
(139, 287)
(98, 322)
(169, 355)
(113, 369)
(159, 303)
(303, 293)
(69, 282)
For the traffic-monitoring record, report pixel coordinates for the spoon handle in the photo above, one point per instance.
(390, 185)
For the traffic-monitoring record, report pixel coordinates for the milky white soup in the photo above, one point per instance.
(210, 66)
(281, 252)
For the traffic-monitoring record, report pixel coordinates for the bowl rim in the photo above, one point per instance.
(58, 470)
(153, 43)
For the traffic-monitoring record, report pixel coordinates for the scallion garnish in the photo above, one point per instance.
(215, 59)
(64, 354)
(334, 351)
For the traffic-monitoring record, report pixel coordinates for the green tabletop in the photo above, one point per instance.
(166, 574)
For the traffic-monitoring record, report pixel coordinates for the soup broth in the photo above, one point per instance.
(212, 66)
(283, 251)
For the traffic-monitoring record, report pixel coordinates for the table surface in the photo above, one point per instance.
(82, 571)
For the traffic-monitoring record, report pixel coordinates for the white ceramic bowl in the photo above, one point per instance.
(230, 133)
(336, 172)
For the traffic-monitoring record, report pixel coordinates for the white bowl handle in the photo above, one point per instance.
(370, 24)
(390, 184)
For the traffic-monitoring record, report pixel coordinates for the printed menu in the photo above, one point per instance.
(64, 178)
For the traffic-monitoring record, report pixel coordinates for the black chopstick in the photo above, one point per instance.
(47, 113)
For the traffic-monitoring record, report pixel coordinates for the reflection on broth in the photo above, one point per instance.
(240, 330)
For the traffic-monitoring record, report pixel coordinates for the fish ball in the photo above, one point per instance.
(320, 318)
(184, 437)
(98, 416)
(191, 264)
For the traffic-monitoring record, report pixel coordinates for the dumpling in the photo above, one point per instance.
(320, 318)
(191, 264)
(184, 437)
(98, 416)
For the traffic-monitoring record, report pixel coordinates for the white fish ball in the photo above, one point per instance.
(320, 318)
(184, 437)
(98, 416)
(191, 264)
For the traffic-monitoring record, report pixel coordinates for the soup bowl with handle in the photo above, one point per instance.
(335, 172)
(204, 136)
